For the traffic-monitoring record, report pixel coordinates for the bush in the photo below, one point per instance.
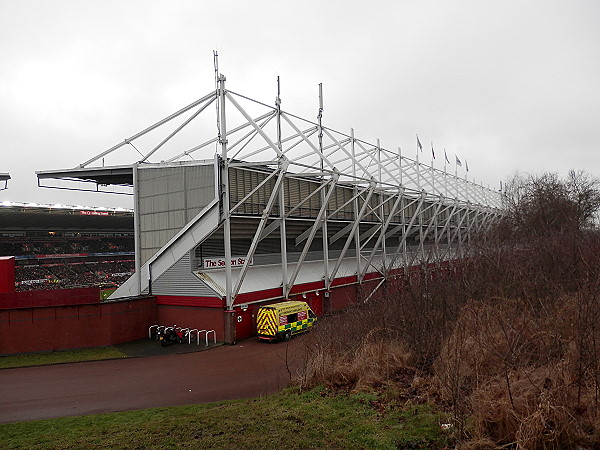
(507, 339)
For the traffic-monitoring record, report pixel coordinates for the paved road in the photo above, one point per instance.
(245, 370)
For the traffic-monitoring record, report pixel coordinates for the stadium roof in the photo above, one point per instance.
(101, 176)
(4, 177)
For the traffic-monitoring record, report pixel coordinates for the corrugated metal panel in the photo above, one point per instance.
(179, 280)
(169, 197)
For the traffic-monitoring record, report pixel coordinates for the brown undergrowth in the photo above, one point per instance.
(509, 372)
(506, 339)
(520, 374)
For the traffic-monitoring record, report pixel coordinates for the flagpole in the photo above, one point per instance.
(445, 175)
(456, 174)
(445, 160)
(418, 166)
(432, 170)
(400, 163)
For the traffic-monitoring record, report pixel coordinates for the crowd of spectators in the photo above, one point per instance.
(18, 246)
(84, 274)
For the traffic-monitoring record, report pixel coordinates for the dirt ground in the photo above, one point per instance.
(245, 370)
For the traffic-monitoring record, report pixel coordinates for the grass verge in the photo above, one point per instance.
(40, 359)
(290, 420)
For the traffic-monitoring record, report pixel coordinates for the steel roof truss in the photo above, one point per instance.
(177, 130)
(397, 228)
(316, 191)
(258, 129)
(377, 162)
(248, 137)
(261, 184)
(210, 97)
(188, 152)
(269, 229)
(310, 132)
(354, 226)
(263, 220)
(310, 144)
(313, 231)
(359, 194)
(407, 232)
(381, 237)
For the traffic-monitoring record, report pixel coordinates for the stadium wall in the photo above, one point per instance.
(50, 297)
(64, 327)
(7, 274)
(194, 317)
(50, 327)
(209, 313)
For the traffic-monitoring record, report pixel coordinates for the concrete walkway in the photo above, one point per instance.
(248, 369)
(148, 347)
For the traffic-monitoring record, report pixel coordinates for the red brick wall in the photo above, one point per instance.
(340, 298)
(51, 297)
(74, 326)
(192, 317)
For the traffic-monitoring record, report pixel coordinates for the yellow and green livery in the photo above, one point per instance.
(279, 321)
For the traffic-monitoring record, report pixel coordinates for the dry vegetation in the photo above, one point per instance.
(507, 341)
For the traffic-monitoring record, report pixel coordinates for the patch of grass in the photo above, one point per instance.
(420, 427)
(105, 293)
(291, 420)
(40, 359)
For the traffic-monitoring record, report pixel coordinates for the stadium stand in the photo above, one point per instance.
(58, 247)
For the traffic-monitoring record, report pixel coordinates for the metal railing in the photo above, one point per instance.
(192, 334)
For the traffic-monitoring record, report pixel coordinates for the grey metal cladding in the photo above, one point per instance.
(180, 281)
(169, 197)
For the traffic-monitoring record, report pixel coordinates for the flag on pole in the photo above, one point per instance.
(419, 144)
(446, 156)
(458, 163)
(432, 152)
(466, 165)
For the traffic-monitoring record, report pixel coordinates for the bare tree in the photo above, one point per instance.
(584, 191)
(538, 205)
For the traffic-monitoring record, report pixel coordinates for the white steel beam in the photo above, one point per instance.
(258, 129)
(261, 184)
(210, 97)
(332, 183)
(189, 152)
(354, 226)
(263, 220)
(177, 130)
(407, 232)
(305, 138)
(225, 194)
(381, 237)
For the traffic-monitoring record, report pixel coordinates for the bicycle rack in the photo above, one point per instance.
(203, 331)
(206, 336)
(214, 336)
(195, 330)
(187, 331)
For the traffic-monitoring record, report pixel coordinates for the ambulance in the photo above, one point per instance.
(279, 321)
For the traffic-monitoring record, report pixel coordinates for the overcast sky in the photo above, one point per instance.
(507, 85)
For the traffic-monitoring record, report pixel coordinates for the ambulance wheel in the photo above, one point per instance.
(287, 336)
